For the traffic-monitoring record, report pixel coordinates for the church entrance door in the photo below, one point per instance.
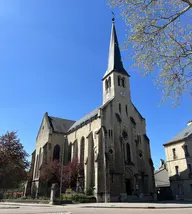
(128, 186)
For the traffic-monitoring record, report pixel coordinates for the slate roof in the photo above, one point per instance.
(59, 124)
(83, 119)
(161, 178)
(89, 116)
(182, 135)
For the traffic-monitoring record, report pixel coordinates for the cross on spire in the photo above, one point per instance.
(113, 14)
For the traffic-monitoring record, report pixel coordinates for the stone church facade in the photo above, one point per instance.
(111, 141)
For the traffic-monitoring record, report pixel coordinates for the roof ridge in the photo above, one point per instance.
(80, 121)
(184, 133)
(60, 118)
(89, 115)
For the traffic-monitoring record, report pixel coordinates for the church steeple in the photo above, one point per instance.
(116, 79)
(114, 60)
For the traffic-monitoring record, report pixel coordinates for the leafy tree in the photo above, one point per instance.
(51, 172)
(161, 34)
(72, 172)
(13, 161)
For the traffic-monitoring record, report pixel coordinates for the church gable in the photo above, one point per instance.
(44, 127)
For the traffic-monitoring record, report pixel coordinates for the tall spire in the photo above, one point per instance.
(114, 59)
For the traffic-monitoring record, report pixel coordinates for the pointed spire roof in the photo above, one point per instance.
(114, 60)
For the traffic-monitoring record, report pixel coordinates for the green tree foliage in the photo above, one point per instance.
(13, 161)
(160, 32)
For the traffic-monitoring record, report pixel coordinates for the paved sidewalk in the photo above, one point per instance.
(24, 204)
(135, 205)
(4, 206)
(170, 205)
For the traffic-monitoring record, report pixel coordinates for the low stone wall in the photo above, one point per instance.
(35, 201)
(87, 200)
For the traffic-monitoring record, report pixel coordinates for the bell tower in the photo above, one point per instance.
(115, 79)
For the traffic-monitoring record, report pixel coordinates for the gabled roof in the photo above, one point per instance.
(114, 60)
(59, 124)
(84, 119)
(89, 116)
(186, 132)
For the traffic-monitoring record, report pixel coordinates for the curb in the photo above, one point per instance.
(17, 204)
(138, 207)
(9, 207)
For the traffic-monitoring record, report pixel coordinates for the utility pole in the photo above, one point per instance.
(62, 158)
(104, 163)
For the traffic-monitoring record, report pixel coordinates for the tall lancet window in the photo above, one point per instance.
(123, 82)
(120, 108)
(82, 148)
(69, 152)
(109, 82)
(75, 149)
(56, 153)
(106, 85)
(126, 109)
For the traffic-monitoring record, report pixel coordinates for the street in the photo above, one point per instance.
(82, 209)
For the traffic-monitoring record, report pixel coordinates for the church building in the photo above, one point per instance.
(110, 141)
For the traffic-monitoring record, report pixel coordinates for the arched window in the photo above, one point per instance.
(123, 82)
(82, 149)
(110, 133)
(109, 82)
(119, 107)
(126, 109)
(75, 150)
(69, 152)
(128, 152)
(119, 81)
(56, 152)
(106, 84)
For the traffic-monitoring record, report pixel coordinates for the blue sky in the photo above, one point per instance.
(53, 55)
